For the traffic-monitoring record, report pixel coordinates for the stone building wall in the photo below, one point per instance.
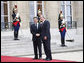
(51, 12)
(23, 9)
(77, 12)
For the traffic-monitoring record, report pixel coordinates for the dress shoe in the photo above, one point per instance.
(63, 46)
(45, 58)
(48, 59)
(16, 39)
(35, 58)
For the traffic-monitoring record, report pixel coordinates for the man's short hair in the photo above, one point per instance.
(42, 16)
(35, 17)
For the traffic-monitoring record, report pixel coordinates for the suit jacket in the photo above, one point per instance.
(34, 31)
(46, 29)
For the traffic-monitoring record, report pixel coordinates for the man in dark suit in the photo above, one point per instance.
(36, 33)
(46, 37)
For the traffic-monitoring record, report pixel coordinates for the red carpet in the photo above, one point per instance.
(22, 59)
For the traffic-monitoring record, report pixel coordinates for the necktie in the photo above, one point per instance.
(37, 25)
(41, 24)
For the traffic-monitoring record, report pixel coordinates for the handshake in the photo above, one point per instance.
(45, 38)
(37, 34)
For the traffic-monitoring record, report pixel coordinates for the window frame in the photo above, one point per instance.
(8, 13)
(65, 10)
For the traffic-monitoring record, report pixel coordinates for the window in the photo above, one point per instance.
(66, 9)
(4, 14)
(34, 7)
(39, 5)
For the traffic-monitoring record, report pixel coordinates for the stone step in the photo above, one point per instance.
(24, 46)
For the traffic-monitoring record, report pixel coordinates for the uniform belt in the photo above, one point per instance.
(15, 23)
(62, 29)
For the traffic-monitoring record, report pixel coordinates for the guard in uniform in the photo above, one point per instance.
(62, 29)
(16, 23)
(38, 15)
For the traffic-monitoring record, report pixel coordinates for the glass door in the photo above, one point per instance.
(4, 14)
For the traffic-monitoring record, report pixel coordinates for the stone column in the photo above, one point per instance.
(31, 9)
(51, 11)
(2, 13)
(77, 15)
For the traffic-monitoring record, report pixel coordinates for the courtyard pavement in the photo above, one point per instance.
(24, 46)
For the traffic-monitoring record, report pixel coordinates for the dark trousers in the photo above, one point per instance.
(37, 47)
(47, 48)
(15, 34)
(16, 30)
(63, 37)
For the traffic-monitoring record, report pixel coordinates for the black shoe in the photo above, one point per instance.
(63, 46)
(45, 58)
(16, 39)
(35, 58)
(48, 59)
